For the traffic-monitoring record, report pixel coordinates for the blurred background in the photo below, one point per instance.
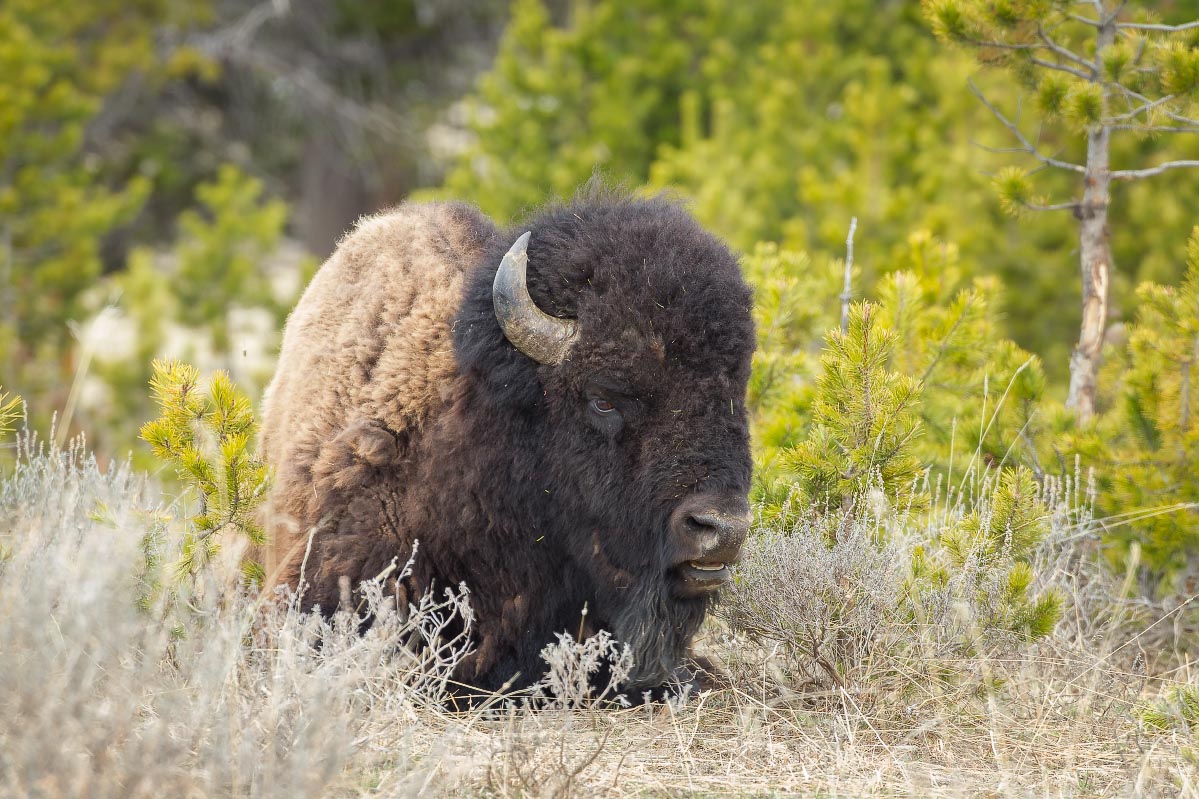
(173, 172)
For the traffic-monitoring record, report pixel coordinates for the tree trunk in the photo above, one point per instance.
(1095, 257)
(1095, 260)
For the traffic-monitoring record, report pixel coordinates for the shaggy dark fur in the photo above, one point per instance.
(511, 482)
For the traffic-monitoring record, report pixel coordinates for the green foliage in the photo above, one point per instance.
(220, 249)
(884, 408)
(794, 303)
(1141, 91)
(1014, 189)
(1175, 711)
(206, 434)
(215, 266)
(1145, 445)
(11, 408)
(864, 420)
(602, 93)
(1176, 708)
(780, 122)
(59, 62)
(994, 544)
(981, 391)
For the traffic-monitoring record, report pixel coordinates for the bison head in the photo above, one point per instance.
(611, 345)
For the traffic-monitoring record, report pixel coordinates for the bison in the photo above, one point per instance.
(559, 421)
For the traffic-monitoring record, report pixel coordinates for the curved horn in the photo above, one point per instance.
(544, 338)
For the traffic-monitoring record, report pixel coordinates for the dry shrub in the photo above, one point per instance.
(101, 697)
(214, 695)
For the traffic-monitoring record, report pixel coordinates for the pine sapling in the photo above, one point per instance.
(865, 420)
(990, 551)
(205, 433)
(10, 411)
(1098, 73)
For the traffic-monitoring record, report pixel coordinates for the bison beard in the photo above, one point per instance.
(576, 440)
(658, 630)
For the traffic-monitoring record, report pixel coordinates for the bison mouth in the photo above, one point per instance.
(699, 578)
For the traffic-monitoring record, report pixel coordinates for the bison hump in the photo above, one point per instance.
(371, 336)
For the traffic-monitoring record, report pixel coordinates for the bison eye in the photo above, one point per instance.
(604, 414)
(602, 406)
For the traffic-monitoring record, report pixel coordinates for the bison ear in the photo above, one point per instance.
(544, 338)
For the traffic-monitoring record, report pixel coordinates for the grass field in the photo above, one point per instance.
(220, 696)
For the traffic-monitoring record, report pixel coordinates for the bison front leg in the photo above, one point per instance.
(356, 521)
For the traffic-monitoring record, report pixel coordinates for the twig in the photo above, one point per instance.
(847, 292)
(1062, 50)
(1070, 206)
(1148, 26)
(1141, 109)
(1020, 137)
(1137, 174)
(1158, 128)
(1078, 73)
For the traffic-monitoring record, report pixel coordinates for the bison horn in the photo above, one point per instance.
(544, 338)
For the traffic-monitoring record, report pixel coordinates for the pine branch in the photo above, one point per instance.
(1137, 174)
(1063, 51)
(1150, 26)
(1173, 115)
(1149, 106)
(205, 435)
(1062, 68)
(1027, 146)
(1157, 128)
(10, 411)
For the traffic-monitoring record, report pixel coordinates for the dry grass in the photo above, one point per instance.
(101, 698)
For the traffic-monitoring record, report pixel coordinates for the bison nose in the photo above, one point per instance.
(710, 530)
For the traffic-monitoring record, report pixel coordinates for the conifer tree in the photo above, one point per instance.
(981, 393)
(863, 441)
(207, 434)
(59, 61)
(214, 266)
(1145, 447)
(782, 121)
(1096, 75)
(864, 420)
(990, 550)
(221, 245)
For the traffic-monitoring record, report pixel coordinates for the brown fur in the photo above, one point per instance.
(401, 413)
(370, 339)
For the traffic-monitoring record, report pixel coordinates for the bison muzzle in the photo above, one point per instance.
(556, 412)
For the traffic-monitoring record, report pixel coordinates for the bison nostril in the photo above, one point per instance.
(712, 524)
(709, 520)
(709, 529)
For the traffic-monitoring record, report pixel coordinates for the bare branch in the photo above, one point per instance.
(1094, 23)
(1061, 50)
(1182, 119)
(1148, 26)
(1070, 206)
(1137, 174)
(1142, 109)
(1158, 128)
(998, 150)
(847, 294)
(1028, 146)
(1171, 114)
(1024, 47)
(1078, 73)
